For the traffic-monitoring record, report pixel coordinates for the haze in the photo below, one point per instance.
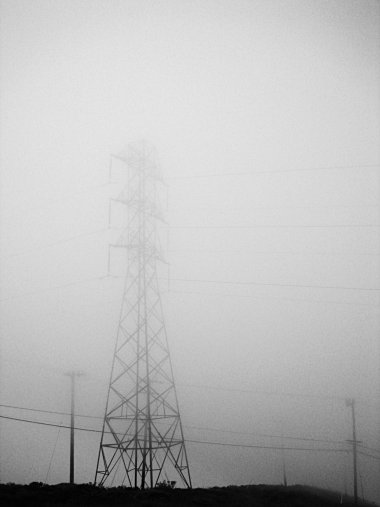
(265, 116)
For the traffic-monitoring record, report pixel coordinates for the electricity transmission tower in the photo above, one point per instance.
(142, 439)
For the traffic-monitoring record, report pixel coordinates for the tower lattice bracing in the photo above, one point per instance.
(142, 441)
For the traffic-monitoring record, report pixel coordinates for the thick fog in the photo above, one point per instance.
(265, 116)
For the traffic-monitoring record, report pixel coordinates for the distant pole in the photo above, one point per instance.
(72, 375)
(285, 481)
(351, 403)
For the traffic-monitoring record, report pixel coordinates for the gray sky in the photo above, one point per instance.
(265, 115)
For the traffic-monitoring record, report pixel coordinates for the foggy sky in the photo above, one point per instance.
(265, 116)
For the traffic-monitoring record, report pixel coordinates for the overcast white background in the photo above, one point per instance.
(265, 116)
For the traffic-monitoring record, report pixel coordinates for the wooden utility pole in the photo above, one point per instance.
(285, 480)
(351, 403)
(72, 375)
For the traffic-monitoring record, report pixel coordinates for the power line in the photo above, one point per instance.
(305, 439)
(195, 227)
(58, 242)
(275, 171)
(224, 444)
(52, 455)
(260, 226)
(269, 284)
(223, 282)
(281, 394)
(368, 455)
(265, 435)
(53, 287)
(90, 188)
(42, 423)
(303, 300)
(194, 280)
(369, 448)
(55, 412)
(251, 173)
(273, 252)
(266, 393)
(274, 226)
(316, 206)
(272, 284)
(93, 430)
(215, 388)
(68, 195)
(271, 447)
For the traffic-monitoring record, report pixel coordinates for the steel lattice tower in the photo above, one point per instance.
(142, 439)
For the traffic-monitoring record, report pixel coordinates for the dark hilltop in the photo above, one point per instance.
(41, 495)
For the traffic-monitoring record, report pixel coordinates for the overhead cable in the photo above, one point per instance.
(273, 226)
(275, 171)
(281, 448)
(274, 284)
(53, 287)
(265, 435)
(273, 298)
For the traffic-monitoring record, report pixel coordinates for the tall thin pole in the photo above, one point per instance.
(72, 375)
(351, 403)
(354, 448)
(285, 480)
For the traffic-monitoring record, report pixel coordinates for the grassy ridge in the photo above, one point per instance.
(37, 494)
